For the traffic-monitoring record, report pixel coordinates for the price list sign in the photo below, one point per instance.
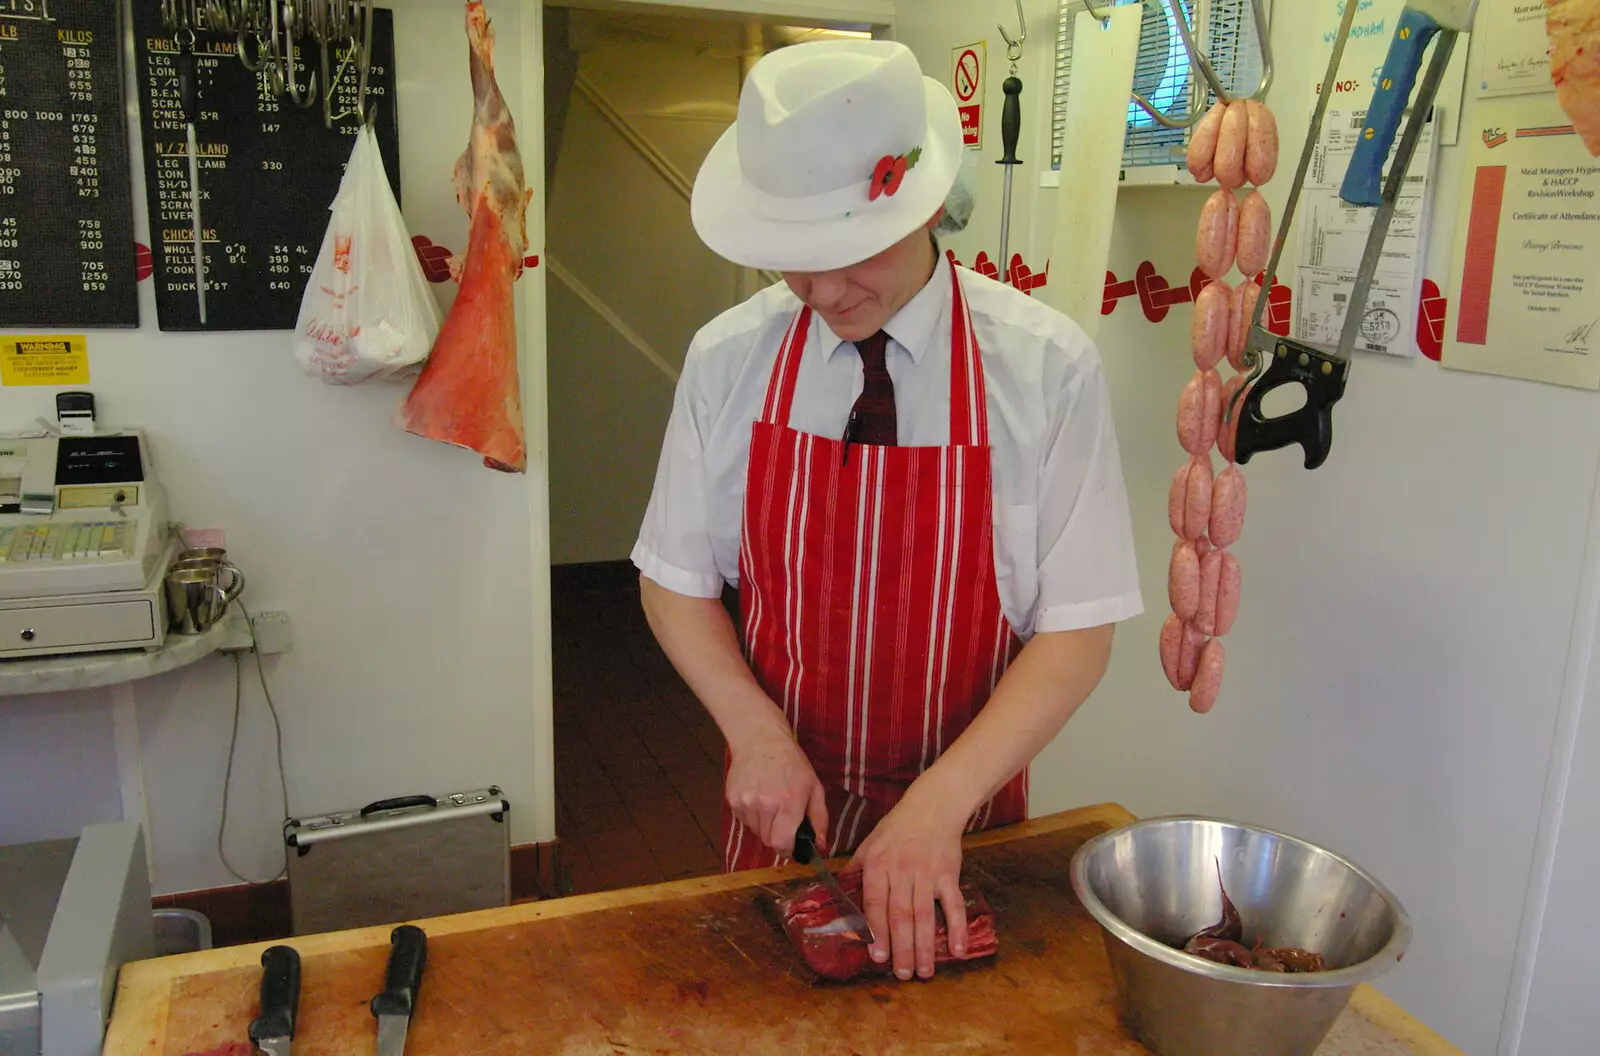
(267, 168)
(66, 203)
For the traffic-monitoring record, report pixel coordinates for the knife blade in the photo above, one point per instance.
(805, 852)
(272, 1032)
(408, 954)
(1419, 22)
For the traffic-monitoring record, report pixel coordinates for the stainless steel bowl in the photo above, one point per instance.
(1151, 884)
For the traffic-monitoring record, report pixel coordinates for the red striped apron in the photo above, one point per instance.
(868, 598)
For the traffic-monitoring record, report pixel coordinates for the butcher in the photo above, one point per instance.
(910, 473)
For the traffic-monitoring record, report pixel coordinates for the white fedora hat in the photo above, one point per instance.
(841, 149)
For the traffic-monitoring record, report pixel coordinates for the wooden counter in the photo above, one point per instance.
(696, 967)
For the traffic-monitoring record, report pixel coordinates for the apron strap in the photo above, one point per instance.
(969, 411)
(780, 389)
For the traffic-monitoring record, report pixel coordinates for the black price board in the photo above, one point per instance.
(268, 169)
(66, 200)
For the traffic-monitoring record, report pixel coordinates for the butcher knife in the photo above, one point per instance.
(805, 852)
(408, 953)
(1420, 21)
(273, 1030)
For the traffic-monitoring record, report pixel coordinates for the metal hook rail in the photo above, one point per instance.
(274, 29)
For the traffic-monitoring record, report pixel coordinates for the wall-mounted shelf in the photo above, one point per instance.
(54, 674)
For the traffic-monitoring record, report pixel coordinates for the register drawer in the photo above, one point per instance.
(52, 627)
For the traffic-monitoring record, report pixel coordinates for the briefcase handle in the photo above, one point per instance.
(398, 803)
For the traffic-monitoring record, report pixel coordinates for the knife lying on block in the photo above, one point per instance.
(852, 920)
(408, 954)
(272, 1032)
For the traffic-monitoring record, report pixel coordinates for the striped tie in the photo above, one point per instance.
(872, 419)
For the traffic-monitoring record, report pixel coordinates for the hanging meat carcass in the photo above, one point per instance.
(1573, 28)
(468, 393)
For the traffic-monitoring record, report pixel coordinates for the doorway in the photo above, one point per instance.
(633, 102)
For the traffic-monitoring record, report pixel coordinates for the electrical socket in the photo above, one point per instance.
(273, 632)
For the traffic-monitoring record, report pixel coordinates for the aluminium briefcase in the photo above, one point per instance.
(399, 859)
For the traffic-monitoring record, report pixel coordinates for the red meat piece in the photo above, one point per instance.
(807, 914)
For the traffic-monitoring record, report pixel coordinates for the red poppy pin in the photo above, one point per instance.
(890, 171)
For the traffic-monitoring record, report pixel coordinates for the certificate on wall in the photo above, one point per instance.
(1525, 281)
(1514, 50)
(1333, 236)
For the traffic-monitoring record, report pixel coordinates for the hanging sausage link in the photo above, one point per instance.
(1235, 143)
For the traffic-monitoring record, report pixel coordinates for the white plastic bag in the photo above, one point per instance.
(367, 312)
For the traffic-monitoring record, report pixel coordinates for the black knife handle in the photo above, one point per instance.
(1010, 121)
(805, 842)
(408, 953)
(280, 994)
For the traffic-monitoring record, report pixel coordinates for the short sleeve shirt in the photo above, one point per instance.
(1064, 553)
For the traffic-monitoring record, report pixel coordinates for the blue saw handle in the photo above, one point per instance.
(1363, 180)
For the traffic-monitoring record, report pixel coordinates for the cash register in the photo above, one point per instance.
(84, 543)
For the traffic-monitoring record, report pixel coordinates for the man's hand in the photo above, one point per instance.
(910, 859)
(771, 786)
(914, 854)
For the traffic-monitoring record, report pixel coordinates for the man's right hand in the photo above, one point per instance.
(771, 786)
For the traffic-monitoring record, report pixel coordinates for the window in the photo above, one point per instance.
(1161, 72)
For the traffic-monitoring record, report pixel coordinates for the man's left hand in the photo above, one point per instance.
(912, 857)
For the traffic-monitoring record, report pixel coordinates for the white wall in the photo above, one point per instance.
(408, 569)
(1396, 671)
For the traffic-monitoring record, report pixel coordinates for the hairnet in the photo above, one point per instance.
(958, 203)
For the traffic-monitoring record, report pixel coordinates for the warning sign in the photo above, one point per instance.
(968, 66)
(44, 360)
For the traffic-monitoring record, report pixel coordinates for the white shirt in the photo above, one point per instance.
(1064, 556)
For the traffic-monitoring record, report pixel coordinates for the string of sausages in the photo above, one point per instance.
(1235, 143)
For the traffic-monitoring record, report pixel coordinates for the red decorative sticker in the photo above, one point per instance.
(435, 260)
(1430, 320)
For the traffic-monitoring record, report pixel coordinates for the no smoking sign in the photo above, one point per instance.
(969, 64)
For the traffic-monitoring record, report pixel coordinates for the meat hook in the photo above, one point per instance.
(1196, 110)
(291, 23)
(1200, 67)
(1258, 15)
(1014, 47)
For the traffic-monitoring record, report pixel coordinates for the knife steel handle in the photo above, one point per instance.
(1364, 177)
(805, 842)
(1010, 121)
(408, 954)
(280, 994)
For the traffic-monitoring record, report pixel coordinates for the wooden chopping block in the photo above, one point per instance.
(696, 967)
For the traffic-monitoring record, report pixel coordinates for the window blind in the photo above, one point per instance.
(1161, 72)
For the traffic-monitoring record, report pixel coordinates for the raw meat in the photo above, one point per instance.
(468, 393)
(1573, 28)
(1207, 676)
(1223, 942)
(1202, 152)
(807, 913)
